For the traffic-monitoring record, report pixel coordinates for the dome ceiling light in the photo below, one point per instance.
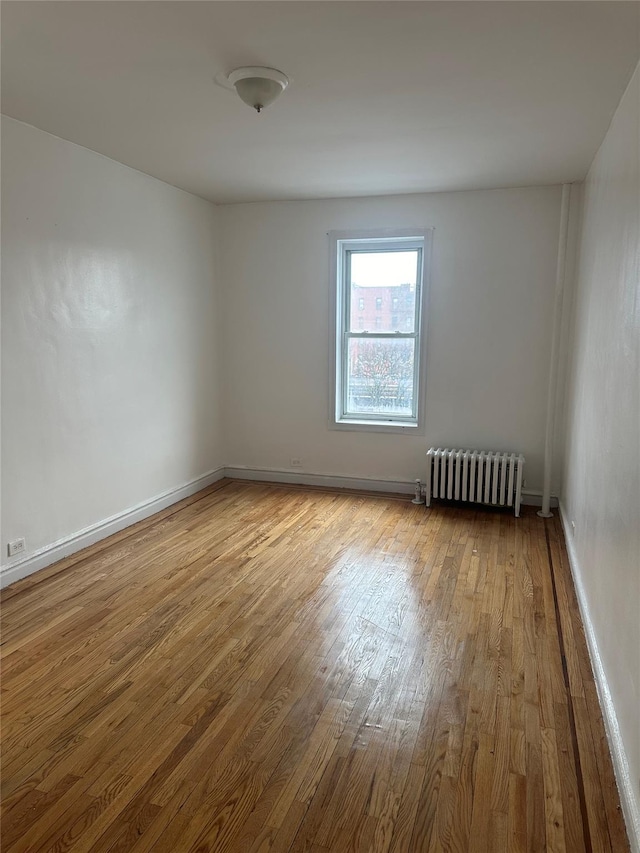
(257, 86)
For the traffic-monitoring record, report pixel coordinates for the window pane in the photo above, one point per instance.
(383, 285)
(380, 377)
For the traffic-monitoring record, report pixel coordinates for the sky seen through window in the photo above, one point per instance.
(383, 269)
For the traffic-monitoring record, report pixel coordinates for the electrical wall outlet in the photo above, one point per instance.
(15, 547)
(295, 462)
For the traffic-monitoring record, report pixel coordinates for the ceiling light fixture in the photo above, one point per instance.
(257, 86)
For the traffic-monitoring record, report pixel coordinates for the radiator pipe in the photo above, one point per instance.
(555, 346)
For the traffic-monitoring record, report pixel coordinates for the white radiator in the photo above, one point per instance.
(478, 476)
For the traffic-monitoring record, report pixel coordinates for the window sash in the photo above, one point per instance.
(378, 416)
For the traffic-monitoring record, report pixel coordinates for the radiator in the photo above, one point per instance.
(483, 476)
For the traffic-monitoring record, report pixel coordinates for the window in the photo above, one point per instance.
(379, 374)
(361, 303)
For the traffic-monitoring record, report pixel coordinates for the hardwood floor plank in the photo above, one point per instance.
(554, 813)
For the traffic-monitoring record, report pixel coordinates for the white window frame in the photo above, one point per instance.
(342, 244)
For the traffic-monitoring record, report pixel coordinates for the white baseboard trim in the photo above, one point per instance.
(338, 481)
(90, 535)
(626, 788)
(332, 481)
(533, 497)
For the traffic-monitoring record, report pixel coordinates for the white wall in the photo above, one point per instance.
(109, 336)
(490, 321)
(601, 492)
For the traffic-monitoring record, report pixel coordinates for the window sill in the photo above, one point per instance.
(376, 426)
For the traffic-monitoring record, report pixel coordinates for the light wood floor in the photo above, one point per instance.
(278, 669)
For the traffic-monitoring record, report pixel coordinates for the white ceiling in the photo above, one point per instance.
(385, 97)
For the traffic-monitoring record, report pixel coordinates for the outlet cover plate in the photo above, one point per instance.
(15, 547)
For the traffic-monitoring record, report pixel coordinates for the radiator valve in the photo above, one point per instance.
(418, 498)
